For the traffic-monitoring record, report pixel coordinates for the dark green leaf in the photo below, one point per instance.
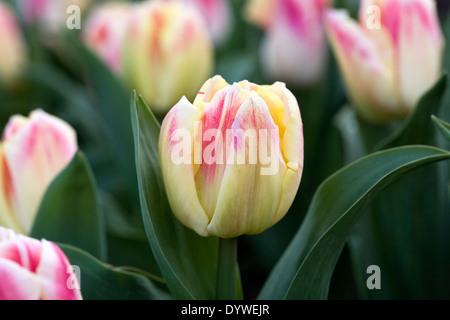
(99, 281)
(187, 261)
(69, 211)
(305, 269)
(443, 126)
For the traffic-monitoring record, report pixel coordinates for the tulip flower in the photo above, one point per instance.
(105, 30)
(168, 52)
(50, 15)
(32, 153)
(390, 58)
(12, 53)
(232, 161)
(34, 270)
(294, 49)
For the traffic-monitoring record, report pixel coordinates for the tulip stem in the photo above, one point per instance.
(226, 270)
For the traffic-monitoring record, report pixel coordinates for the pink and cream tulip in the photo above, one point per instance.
(294, 49)
(13, 51)
(104, 32)
(168, 52)
(232, 160)
(34, 270)
(32, 153)
(390, 58)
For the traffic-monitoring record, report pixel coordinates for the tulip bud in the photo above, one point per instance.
(33, 151)
(168, 52)
(104, 32)
(390, 58)
(34, 270)
(50, 15)
(294, 49)
(12, 53)
(232, 161)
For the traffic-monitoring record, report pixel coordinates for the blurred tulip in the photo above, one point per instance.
(390, 58)
(50, 15)
(294, 49)
(246, 179)
(105, 30)
(12, 52)
(34, 270)
(168, 52)
(33, 151)
(217, 14)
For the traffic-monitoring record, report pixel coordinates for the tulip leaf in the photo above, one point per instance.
(187, 261)
(443, 126)
(304, 271)
(407, 224)
(100, 281)
(69, 212)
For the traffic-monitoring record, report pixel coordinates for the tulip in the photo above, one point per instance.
(34, 270)
(390, 58)
(168, 52)
(12, 53)
(32, 153)
(50, 15)
(232, 161)
(105, 30)
(294, 49)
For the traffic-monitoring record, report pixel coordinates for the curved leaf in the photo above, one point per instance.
(187, 261)
(305, 269)
(69, 211)
(99, 281)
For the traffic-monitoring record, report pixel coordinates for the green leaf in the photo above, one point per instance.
(305, 269)
(99, 281)
(187, 261)
(443, 126)
(405, 229)
(69, 212)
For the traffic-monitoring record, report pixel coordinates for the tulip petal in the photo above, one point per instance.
(218, 117)
(416, 27)
(17, 283)
(248, 199)
(179, 178)
(54, 274)
(370, 81)
(35, 154)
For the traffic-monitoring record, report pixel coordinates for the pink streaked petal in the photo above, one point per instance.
(371, 82)
(209, 90)
(17, 283)
(218, 117)
(22, 250)
(420, 47)
(35, 155)
(53, 274)
(7, 234)
(179, 178)
(248, 199)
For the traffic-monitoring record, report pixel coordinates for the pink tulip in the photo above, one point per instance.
(34, 270)
(33, 151)
(390, 58)
(232, 160)
(105, 30)
(12, 44)
(294, 49)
